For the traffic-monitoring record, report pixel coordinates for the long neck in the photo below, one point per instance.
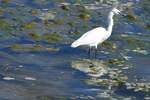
(110, 22)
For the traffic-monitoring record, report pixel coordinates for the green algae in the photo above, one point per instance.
(135, 42)
(31, 48)
(34, 11)
(53, 23)
(147, 27)
(75, 32)
(49, 24)
(52, 37)
(5, 1)
(85, 16)
(35, 36)
(49, 37)
(109, 45)
(131, 17)
(1, 11)
(116, 61)
(59, 21)
(30, 25)
(82, 9)
(6, 27)
(36, 48)
(3, 24)
(137, 46)
(15, 46)
(71, 24)
(46, 97)
(65, 7)
(18, 48)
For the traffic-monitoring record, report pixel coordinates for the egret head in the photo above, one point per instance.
(116, 11)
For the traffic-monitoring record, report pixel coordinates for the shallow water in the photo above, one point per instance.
(37, 62)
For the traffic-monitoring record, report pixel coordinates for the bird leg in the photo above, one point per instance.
(95, 53)
(89, 52)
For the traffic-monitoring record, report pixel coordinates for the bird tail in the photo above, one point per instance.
(75, 44)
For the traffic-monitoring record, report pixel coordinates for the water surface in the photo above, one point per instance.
(37, 62)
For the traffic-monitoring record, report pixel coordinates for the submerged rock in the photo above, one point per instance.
(47, 15)
(144, 87)
(103, 95)
(140, 51)
(94, 68)
(113, 78)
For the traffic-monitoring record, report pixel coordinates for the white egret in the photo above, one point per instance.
(97, 35)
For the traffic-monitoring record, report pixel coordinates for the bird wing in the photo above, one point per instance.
(95, 35)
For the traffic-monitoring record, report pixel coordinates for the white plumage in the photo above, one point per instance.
(96, 35)
(91, 38)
